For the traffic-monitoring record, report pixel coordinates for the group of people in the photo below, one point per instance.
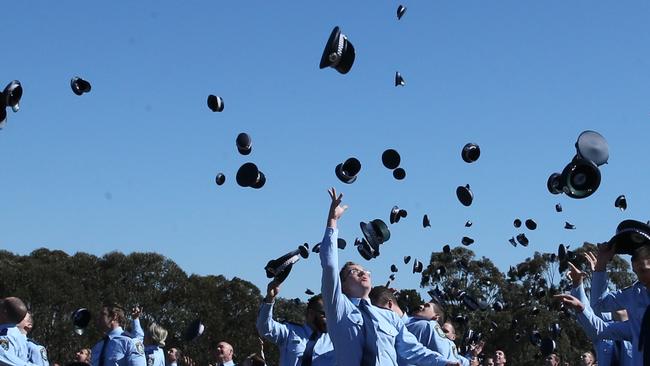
(352, 323)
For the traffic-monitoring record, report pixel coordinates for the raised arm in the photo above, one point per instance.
(267, 327)
(595, 327)
(136, 328)
(603, 300)
(408, 348)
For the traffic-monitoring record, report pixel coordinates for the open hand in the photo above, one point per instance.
(336, 209)
(575, 275)
(571, 301)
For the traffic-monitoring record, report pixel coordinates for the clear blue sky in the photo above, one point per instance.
(131, 165)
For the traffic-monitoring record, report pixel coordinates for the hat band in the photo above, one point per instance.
(283, 266)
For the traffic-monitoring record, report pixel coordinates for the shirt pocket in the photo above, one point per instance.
(356, 318)
(385, 329)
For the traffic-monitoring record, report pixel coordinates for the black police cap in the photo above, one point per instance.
(531, 224)
(390, 158)
(194, 330)
(558, 207)
(467, 241)
(244, 143)
(621, 203)
(309, 292)
(393, 268)
(580, 178)
(338, 53)
(279, 268)
(470, 153)
(569, 226)
(366, 250)
(220, 179)
(348, 170)
(407, 259)
(522, 239)
(465, 195)
(79, 86)
(396, 214)
(400, 11)
(417, 266)
(12, 94)
(249, 175)
(425, 221)
(215, 103)
(399, 173)
(399, 80)
(512, 242)
(630, 235)
(80, 320)
(517, 223)
(468, 223)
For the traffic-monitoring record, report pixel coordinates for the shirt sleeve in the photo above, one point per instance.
(333, 298)
(602, 300)
(580, 294)
(409, 349)
(596, 328)
(8, 355)
(138, 332)
(268, 328)
(135, 353)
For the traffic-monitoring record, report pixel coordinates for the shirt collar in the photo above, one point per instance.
(115, 332)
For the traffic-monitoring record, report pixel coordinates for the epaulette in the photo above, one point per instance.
(3, 332)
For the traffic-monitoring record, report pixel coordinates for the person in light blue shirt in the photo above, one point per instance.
(383, 297)
(13, 344)
(297, 341)
(117, 348)
(154, 341)
(36, 353)
(362, 334)
(224, 354)
(635, 299)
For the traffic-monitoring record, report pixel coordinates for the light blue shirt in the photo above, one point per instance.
(635, 299)
(292, 339)
(155, 355)
(431, 335)
(136, 329)
(13, 347)
(122, 350)
(36, 353)
(345, 322)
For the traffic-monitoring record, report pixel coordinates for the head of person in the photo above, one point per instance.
(587, 359)
(83, 355)
(641, 264)
(111, 316)
(27, 324)
(315, 314)
(383, 297)
(430, 311)
(224, 352)
(450, 330)
(552, 360)
(156, 335)
(355, 280)
(12, 310)
(172, 355)
(489, 361)
(499, 357)
(254, 360)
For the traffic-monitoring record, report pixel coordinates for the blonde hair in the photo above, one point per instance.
(158, 334)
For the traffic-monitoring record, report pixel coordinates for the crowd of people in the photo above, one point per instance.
(352, 323)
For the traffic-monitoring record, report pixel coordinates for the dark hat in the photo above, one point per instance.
(471, 152)
(465, 195)
(446, 249)
(467, 241)
(193, 330)
(569, 226)
(400, 11)
(531, 224)
(244, 143)
(580, 178)
(497, 306)
(513, 242)
(3, 112)
(391, 277)
(555, 330)
(621, 203)
(393, 268)
(441, 271)
(348, 170)
(553, 184)
(437, 297)
(630, 235)
(396, 213)
(593, 147)
(376, 232)
(461, 319)
(407, 259)
(80, 320)
(309, 292)
(534, 311)
(220, 179)
(468, 223)
(79, 85)
(417, 266)
(215, 103)
(547, 346)
(517, 223)
(390, 158)
(399, 173)
(469, 301)
(522, 239)
(338, 52)
(399, 80)
(367, 251)
(425, 221)
(279, 268)
(493, 326)
(340, 243)
(12, 94)
(535, 338)
(249, 176)
(558, 207)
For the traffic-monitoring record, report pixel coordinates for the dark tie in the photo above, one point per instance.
(309, 349)
(644, 337)
(102, 354)
(617, 355)
(369, 357)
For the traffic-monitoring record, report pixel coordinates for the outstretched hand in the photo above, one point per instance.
(272, 290)
(606, 252)
(575, 275)
(336, 209)
(591, 258)
(571, 301)
(136, 312)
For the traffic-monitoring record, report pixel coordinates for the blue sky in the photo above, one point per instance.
(131, 165)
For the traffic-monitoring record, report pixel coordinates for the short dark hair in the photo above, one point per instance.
(641, 253)
(344, 270)
(313, 301)
(116, 311)
(381, 295)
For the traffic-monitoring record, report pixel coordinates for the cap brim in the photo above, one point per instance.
(332, 44)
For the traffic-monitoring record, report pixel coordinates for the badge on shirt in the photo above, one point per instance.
(439, 330)
(44, 354)
(139, 347)
(4, 343)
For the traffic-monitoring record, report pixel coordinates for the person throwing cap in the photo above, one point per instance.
(117, 348)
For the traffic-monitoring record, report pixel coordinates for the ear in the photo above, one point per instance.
(390, 304)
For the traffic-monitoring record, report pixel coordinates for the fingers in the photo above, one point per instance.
(574, 269)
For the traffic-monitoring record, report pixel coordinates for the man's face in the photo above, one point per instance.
(224, 352)
(104, 320)
(83, 355)
(356, 281)
(551, 360)
(316, 317)
(427, 311)
(499, 357)
(489, 361)
(642, 269)
(449, 330)
(587, 359)
(172, 355)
